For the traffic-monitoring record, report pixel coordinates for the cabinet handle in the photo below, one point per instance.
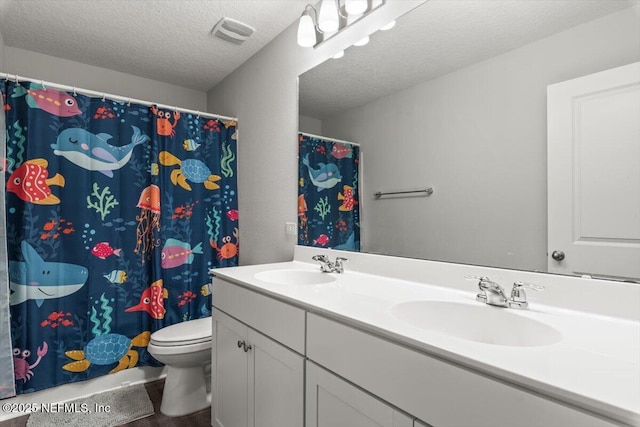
(246, 347)
(240, 343)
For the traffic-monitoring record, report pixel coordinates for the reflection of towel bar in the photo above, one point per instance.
(427, 191)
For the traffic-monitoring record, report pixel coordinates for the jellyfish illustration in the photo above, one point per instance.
(148, 222)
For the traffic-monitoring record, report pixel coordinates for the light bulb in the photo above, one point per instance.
(355, 7)
(389, 26)
(328, 16)
(362, 42)
(306, 31)
(339, 55)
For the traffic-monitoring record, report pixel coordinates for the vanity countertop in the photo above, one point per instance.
(595, 366)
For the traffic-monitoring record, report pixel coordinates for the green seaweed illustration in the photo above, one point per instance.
(225, 161)
(213, 224)
(16, 141)
(323, 207)
(105, 201)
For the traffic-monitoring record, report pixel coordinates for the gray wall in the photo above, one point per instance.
(480, 136)
(309, 125)
(49, 68)
(263, 94)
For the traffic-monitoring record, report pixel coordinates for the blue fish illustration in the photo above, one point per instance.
(190, 145)
(116, 276)
(37, 279)
(350, 245)
(327, 176)
(92, 152)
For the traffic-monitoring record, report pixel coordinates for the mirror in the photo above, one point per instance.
(454, 98)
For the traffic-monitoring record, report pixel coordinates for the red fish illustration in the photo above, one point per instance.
(30, 182)
(322, 240)
(341, 151)
(59, 104)
(152, 301)
(103, 249)
(302, 205)
(232, 214)
(348, 202)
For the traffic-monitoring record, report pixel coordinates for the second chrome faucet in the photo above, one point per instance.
(326, 266)
(493, 294)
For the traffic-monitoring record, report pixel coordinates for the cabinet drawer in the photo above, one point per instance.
(435, 391)
(279, 321)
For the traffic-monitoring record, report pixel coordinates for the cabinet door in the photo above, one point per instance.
(229, 373)
(333, 402)
(277, 396)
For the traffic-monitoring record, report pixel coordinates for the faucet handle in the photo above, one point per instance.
(321, 258)
(338, 266)
(518, 295)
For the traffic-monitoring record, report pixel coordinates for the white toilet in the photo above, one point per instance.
(185, 348)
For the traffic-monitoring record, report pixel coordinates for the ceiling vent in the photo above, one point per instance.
(232, 31)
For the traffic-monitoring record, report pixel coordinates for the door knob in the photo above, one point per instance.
(557, 255)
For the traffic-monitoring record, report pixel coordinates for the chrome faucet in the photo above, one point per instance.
(493, 293)
(326, 266)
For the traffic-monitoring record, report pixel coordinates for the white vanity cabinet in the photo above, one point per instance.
(333, 402)
(257, 382)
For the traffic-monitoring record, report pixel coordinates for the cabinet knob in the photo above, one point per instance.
(247, 347)
(240, 343)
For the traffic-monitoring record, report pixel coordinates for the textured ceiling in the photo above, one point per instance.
(437, 38)
(169, 41)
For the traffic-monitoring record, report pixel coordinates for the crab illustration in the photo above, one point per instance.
(190, 169)
(107, 349)
(163, 124)
(21, 368)
(228, 250)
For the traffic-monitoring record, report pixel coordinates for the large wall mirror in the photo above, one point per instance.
(474, 99)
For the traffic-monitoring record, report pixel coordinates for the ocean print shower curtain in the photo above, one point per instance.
(114, 214)
(328, 200)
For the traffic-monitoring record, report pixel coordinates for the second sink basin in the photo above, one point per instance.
(479, 323)
(295, 277)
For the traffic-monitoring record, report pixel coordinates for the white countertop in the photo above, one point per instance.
(596, 365)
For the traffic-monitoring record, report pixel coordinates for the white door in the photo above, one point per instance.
(593, 150)
(333, 402)
(230, 373)
(277, 396)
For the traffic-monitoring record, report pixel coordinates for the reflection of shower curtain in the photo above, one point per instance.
(7, 388)
(328, 209)
(115, 212)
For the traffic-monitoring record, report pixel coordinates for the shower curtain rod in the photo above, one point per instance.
(92, 93)
(329, 139)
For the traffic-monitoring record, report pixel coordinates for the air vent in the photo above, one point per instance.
(232, 31)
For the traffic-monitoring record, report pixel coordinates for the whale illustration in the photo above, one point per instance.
(38, 280)
(325, 177)
(92, 152)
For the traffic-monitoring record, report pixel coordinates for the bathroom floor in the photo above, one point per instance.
(154, 389)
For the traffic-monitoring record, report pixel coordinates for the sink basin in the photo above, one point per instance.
(480, 323)
(295, 277)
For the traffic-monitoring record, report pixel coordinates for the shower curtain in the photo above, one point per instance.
(328, 193)
(114, 214)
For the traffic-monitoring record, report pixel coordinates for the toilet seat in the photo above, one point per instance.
(191, 333)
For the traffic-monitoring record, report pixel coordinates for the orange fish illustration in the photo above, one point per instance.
(152, 301)
(348, 202)
(302, 205)
(30, 182)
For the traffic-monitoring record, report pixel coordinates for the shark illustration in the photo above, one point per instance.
(92, 152)
(36, 279)
(350, 245)
(325, 177)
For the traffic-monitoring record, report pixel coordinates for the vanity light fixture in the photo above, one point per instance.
(389, 26)
(362, 42)
(318, 25)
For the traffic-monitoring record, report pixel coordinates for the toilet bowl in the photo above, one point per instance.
(185, 348)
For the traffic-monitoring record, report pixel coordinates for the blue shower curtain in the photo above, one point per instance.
(328, 193)
(114, 212)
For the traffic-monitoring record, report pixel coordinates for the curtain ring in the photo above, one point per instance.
(42, 84)
(198, 115)
(74, 91)
(104, 96)
(129, 103)
(17, 80)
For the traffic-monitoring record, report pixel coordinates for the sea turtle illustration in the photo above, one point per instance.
(107, 349)
(190, 169)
